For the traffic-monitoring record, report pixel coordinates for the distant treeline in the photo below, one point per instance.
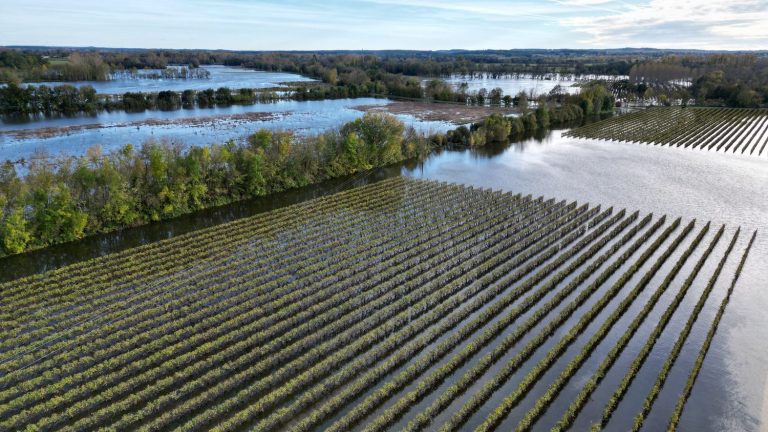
(30, 64)
(63, 199)
(716, 79)
(25, 101)
(734, 80)
(19, 101)
(17, 66)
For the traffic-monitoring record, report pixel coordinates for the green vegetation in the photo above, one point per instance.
(316, 315)
(498, 128)
(678, 412)
(63, 199)
(60, 199)
(719, 129)
(583, 396)
(339, 76)
(678, 346)
(30, 101)
(535, 373)
(36, 64)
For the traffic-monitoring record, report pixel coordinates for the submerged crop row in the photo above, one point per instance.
(735, 130)
(400, 305)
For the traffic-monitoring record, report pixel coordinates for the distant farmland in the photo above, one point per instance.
(729, 130)
(403, 305)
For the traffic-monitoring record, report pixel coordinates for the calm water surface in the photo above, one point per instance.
(732, 390)
(512, 85)
(220, 76)
(113, 130)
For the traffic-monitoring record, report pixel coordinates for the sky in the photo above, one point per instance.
(387, 24)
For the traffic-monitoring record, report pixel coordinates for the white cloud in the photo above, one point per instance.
(705, 24)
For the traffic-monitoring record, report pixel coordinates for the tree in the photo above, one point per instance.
(382, 134)
(542, 115)
(495, 96)
(14, 235)
(521, 101)
(497, 128)
(55, 217)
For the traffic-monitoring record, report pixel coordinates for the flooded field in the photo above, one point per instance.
(724, 188)
(198, 126)
(220, 76)
(512, 85)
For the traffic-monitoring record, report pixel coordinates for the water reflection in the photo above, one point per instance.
(514, 84)
(98, 245)
(220, 76)
(200, 126)
(721, 187)
(724, 188)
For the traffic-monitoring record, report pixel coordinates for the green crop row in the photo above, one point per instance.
(678, 411)
(583, 396)
(437, 305)
(483, 318)
(725, 129)
(236, 324)
(673, 355)
(532, 377)
(237, 301)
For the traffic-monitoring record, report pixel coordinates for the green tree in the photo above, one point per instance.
(542, 114)
(14, 235)
(55, 218)
(521, 101)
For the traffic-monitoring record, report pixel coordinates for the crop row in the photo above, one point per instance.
(533, 375)
(447, 297)
(219, 329)
(170, 284)
(442, 373)
(245, 332)
(678, 411)
(640, 358)
(112, 267)
(236, 264)
(581, 399)
(400, 304)
(452, 341)
(462, 415)
(719, 129)
(678, 346)
(195, 317)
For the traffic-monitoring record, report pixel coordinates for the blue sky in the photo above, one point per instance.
(386, 24)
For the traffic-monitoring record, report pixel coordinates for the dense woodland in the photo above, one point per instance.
(63, 199)
(737, 80)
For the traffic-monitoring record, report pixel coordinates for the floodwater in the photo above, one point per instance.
(72, 136)
(512, 85)
(220, 76)
(706, 185)
(724, 188)
(112, 130)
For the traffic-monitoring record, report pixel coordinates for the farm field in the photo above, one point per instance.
(734, 130)
(402, 305)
